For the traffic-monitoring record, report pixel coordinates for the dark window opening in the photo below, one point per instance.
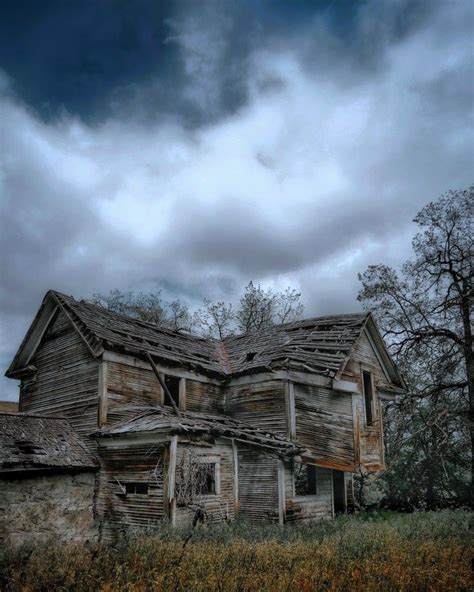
(26, 447)
(305, 479)
(172, 382)
(138, 488)
(339, 492)
(368, 397)
(206, 479)
(251, 356)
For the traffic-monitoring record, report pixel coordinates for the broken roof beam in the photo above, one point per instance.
(163, 384)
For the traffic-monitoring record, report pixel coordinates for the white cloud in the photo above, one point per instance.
(315, 177)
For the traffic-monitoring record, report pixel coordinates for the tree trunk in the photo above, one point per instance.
(469, 358)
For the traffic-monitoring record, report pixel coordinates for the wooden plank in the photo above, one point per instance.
(281, 492)
(290, 410)
(236, 475)
(172, 479)
(355, 419)
(102, 394)
(182, 394)
(130, 360)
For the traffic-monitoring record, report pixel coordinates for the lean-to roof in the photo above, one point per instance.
(163, 420)
(36, 443)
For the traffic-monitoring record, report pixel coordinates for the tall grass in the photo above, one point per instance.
(429, 551)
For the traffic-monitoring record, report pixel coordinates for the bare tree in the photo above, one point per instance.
(148, 307)
(218, 319)
(426, 310)
(260, 309)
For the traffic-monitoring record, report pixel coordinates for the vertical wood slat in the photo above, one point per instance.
(281, 492)
(355, 420)
(290, 409)
(172, 480)
(235, 455)
(103, 394)
(182, 394)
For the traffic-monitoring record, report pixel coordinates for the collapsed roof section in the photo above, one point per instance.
(162, 420)
(319, 345)
(32, 443)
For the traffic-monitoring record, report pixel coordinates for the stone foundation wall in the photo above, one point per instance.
(37, 509)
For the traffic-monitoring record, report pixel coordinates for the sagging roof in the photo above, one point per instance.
(319, 345)
(165, 421)
(30, 443)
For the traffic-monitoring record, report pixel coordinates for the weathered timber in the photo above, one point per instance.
(324, 425)
(66, 381)
(163, 384)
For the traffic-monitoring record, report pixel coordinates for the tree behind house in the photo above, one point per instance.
(258, 309)
(425, 313)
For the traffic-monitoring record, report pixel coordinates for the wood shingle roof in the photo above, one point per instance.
(36, 443)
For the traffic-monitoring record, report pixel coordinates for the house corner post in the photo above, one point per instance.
(281, 492)
(102, 406)
(172, 480)
(235, 455)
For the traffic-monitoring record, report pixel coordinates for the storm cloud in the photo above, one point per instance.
(197, 148)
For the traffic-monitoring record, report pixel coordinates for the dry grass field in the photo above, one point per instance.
(430, 551)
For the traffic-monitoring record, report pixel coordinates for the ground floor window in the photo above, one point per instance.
(206, 479)
(305, 479)
(136, 488)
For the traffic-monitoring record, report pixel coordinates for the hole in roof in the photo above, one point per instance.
(26, 447)
(250, 356)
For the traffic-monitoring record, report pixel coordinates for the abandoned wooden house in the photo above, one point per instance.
(269, 426)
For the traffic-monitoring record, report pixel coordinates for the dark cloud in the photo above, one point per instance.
(192, 147)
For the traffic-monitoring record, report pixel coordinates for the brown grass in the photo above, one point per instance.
(429, 552)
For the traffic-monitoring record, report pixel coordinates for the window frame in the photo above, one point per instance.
(372, 408)
(316, 485)
(216, 461)
(181, 404)
(135, 484)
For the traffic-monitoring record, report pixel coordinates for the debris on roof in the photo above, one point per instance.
(163, 420)
(33, 443)
(320, 345)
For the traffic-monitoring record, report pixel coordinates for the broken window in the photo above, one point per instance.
(172, 382)
(136, 488)
(206, 479)
(305, 479)
(368, 397)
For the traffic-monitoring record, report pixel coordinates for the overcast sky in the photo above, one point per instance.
(195, 145)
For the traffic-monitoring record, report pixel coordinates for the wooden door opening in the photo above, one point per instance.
(339, 492)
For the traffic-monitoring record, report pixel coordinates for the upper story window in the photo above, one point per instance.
(368, 397)
(172, 382)
(305, 479)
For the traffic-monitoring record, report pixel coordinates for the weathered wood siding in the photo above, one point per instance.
(311, 507)
(258, 486)
(371, 438)
(133, 462)
(324, 424)
(204, 397)
(129, 385)
(220, 506)
(261, 404)
(66, 381)
(133, 385)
